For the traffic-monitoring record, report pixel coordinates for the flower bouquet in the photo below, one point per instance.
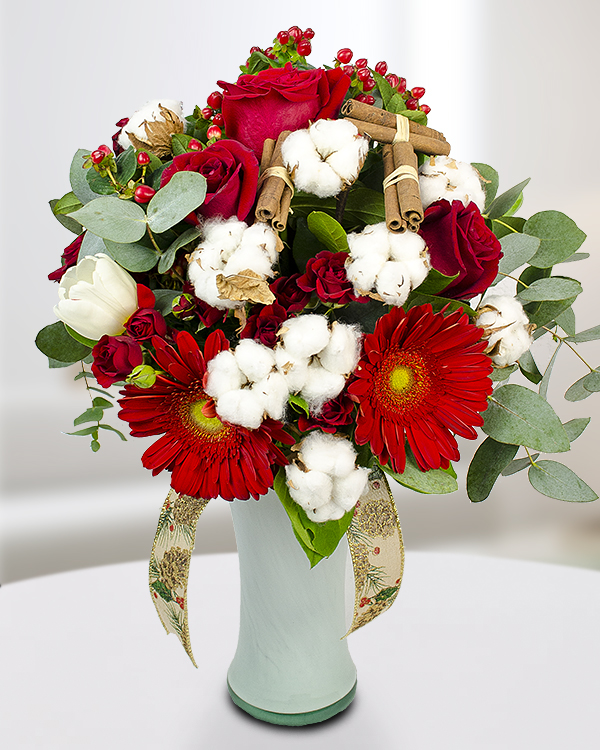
(298, 289)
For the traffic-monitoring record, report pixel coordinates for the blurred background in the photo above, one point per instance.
(511, 84)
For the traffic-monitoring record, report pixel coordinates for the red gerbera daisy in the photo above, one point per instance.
(207, 457)
(423, 376)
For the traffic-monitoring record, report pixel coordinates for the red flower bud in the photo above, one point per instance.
(218, 120)
(143, 159)
(418, 92)
(105, 150)
(97, 156)
(363, 74)
(412, 104)
(283, 38)
(348, 70)
(255, 49)
(143, 193)
(215, 100)
(425, 108)
(369, 99)
(304, 48)
(368, 85)
(362, 97)
(308, 34)
(296, 33)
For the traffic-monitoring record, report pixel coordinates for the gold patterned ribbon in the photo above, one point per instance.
(374, 537)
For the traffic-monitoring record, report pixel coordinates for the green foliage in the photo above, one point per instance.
(67, 204)
(542, 313)
(502, 373)
(432, 482)
(490, 182)
(517, 249)
(328, 231)
(363, 314)
(518, 465)
(575, 427)
(180, 143)
(435, 282)
(132, 256)
(91, 245)
(490, 459)
(113, 219)
(168, 257)
(529, 368)
(184, 192)
(78, 177)
(506, 225)
(55, 342)
(553, 288)
(66, 221)
(164, 300)
(298, 404)
(545, 381)
(558, 481)
(505, 202)
(305, 245)
(590, 334)
(126, 166)
(566, 320)
(584, 387)
(78, 337)
(560, 237)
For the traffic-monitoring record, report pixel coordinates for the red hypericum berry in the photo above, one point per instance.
(215, 100)
(105, 149)
(368, 85)
(308, 34)
(296, 33)
(381, 68)
(218, 120)
(402, 85)
(348, 70)
(425, 108)
(412, 104)
(255, 49)
(362, 97)
(361, 62)
(194, 145)
(207, 113)
(143, 159)
(392, 79)
(369, 99)
(143, 193)
(344, 55)
(283, 38)
(304, 48)
(363, 74)
(418, 92)
(269, 51)
(97, 156)
(214, 131)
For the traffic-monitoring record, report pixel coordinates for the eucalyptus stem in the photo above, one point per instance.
(508, 226)
(563, 340)
(153, 241)
(531, 461)
(508, 276)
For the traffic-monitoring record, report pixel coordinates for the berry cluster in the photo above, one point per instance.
(362, 78)
(290, 44)
(212, 112)
(103, 161)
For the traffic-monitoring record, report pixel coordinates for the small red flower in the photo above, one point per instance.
(325, 274)
(264, 324)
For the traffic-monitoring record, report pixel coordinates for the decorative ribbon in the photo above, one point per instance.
(374, 537)
(280, 172)
(403, 172)
(402, 129)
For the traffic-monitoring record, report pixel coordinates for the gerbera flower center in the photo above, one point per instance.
(210, 425)
(401, 379)
(406, 379)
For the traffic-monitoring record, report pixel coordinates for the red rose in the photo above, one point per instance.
(231, 172)
(263, 105)
(114, 358)
(334, 413)
(69, 258)
(146, 323)
(326, 275)
(460, 243)
(264, 324)
(289, 294)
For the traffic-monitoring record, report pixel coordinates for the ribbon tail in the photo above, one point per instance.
(170, 563)
(377, 552)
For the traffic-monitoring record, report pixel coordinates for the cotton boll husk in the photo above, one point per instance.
(227, 235)
(294, 369)
(347, 490)
(512, 346)
(250, 257)
(393, 283)
(273, 391)
(262, 236)
(322, 452)
(150, 112)
(305, 335)
(254, 359)
(417, 270)
(205, 288)
(342, 353)
(241, 407)
(373, 241)
(406, 246)
(329, 136)
(321, 386)
(311, 489)
(223, 374)
(329, 512)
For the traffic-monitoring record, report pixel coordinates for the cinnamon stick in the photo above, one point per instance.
(377, 116)
(409, 195)
(267, 153)
(383, 134)
(393, 218)
(269, 204)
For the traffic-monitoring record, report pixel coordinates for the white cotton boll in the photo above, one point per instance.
(470, 185)
(207, 257)
(432, 189)
(332, 135)
(223, 374)
(273, 392)
(393, 283)
(347, 162)
(150, 112)
(294, 369)
(363, 272)
(347, 490)
(323, 452)
(417, 270)
(262, 236)
(205, 288)
(512, 346)
(248, 258)
(320, 180)
(329, 512)
(241, 407)
(305, 335)
(298, 147)
(342, 353)
(509, 308)
(310, 489)
(321, 386)
(406, 246)
(254, 359)
(444, 177)
(227, 235)
(373, 241)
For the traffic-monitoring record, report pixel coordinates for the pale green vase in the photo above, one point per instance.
(291, 665)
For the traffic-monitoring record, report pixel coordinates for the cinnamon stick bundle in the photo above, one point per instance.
(393, 218)
(376, 116)
(407, 187)
(275, 196)
(381, 133)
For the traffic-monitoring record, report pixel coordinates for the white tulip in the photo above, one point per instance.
(96, 297)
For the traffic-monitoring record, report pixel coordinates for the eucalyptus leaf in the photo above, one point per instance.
(91, 245)
(560, 237)
(68, 203)
(184, 193)
(168, 257)
(110, 428)
(529, 368)
(490, 182)
(584, 387)
(66, 221)
(113, 219)
(590, 334)
(328, 231)
(86, 431)
(518, 465)
(102, 403)
(503, 203)
(93, 414)
(576, 257)
(542, 313)
(502, 373)
(180, 143)
(558, 481)
(566, 321)
(506, 225)
(164, 300)
(55, 364)
(132, 256)
(101, 185)
(78, 177)
(55, 342)
(432, 482)
(554, 288)
(517, 249)
(126, 166)
(518, 416)
(545, 381)
(490, 459)
(575, 427)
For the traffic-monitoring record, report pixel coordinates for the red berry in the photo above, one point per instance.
(308, 34)
(418, 92)
(381, 68)
(402, 86)
(296, 33)
(215, 100)
(412, 104)
(344, 55)
(97, 156)
(207, 113)
(348, 70)
(143, 159)
(361, 62)
(425, 108)
(363, 74)
(194, 145)
(269, 51)
(214, 131)
(368, 85)
(369, 99)
(271, 56)
(171, 527)
(143, 193)
(218, 120)
(362, 98)
(304, 48)
(105, 149)
(283, 38)
(392, 79)
(255, 49)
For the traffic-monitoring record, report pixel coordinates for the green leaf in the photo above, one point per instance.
(164, 300)
(92, 414)
(435, 282)
(114, 219)
(432, 482)
(590, 334)
(518, 465)
(184, 192)
(95, 446)
(328, 231)
(168, 257)
(415, 115)
(517, 249)
(298, 404)
(86, 431)
(54, 364)
(545, 381)
(506, 225)
(542, 313)
(558, 481)
(78, 337)
(554, 288)
(396, 104)
(518, 416)
(132, 256)
(490, 182)
(385, 89)
(364, 206)
(560, 237)
(305, 245)
(576, 257)
(180, 143)
(437, 303)
(363, 314)
(584, 387)
(101, 185)
(529, 368)
(66, 221)
(566, 321)
(503, 203)
(55, 342)
(162, 590)
(102, 403)
(78, 177)
(490, 459)
(502, 373)
(126, 165)
(112, 429)
(575, 427)
(91, 245)
(67, 204)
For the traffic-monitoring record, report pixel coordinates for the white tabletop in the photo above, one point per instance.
(476, 653)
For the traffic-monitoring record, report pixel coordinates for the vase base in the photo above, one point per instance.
(294, 720)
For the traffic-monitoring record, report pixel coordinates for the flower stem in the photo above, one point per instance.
(508, 276)
(340, 206)
(531, 461)
(572, 348)
(153, 241)
(512, 229)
